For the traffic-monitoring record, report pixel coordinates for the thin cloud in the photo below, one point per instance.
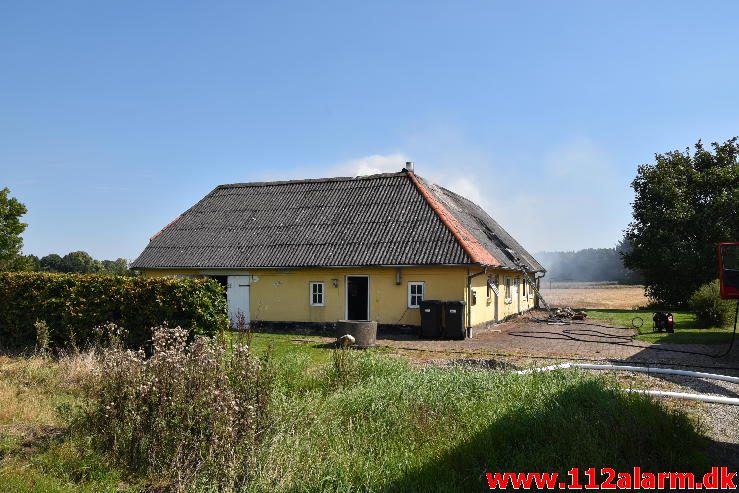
(567, 197)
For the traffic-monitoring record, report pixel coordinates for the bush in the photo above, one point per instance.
(72, 305)
(710, 310)
(189, 417)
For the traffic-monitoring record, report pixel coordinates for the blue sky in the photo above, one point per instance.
(117, 116)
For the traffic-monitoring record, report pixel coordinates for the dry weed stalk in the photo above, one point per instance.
(42, 337)
(190, 414)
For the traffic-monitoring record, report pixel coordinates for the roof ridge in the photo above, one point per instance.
(310, 180)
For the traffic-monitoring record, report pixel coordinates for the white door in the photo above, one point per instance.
(516, 297)
(237, 294)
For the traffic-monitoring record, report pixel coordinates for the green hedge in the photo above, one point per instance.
(78, 303)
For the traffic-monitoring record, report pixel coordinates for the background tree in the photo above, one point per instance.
(11, 242)
(588, 265)
(627, 276)
(79, 262)
(51, 263)
(684, 204)
(24, 263)
(118, 266)
(11, 228)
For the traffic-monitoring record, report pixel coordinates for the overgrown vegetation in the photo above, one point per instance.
(402, 428)
(357, 421)
(189, 415)
(71, 305)
(710, 310)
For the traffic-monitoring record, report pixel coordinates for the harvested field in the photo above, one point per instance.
(594, 295)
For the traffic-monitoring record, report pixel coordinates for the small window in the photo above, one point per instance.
(508, 289)
(316, 294)
(524, 283)
(415, 294)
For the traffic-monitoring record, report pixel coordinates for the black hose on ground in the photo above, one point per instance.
(680, 351)
(733, 334)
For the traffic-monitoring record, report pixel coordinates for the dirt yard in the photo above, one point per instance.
(594, 295)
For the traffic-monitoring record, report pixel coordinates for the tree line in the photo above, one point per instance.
(11, 244)
(589, 265)
(79, 262)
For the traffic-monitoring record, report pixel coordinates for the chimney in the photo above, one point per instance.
(409, 166)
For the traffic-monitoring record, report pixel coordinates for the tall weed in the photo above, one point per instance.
(190, 415)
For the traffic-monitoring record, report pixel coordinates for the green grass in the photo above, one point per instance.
(291, 346)
(686, 327)
(383, 425)
(63, 467)
(403, 428)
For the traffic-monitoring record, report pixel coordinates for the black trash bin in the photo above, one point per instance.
(431, 319)
(454, 320)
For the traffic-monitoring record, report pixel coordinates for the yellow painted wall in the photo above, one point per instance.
(282, 295)
(483, 310)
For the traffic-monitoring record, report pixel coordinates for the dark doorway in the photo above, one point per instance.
(222, 280)
(357, 298)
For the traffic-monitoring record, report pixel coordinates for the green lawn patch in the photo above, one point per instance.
(290, 346)
(686, 327)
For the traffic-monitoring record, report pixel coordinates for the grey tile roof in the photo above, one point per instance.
(363, 221)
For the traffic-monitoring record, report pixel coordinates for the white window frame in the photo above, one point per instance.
(412, 295)
(508, 295)
(321, 293)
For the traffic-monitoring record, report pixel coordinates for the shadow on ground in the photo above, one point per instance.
(584, 426)
(724, 454)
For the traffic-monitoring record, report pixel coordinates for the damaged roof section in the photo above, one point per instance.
(486, 230)
(386, 219)
(471, 246)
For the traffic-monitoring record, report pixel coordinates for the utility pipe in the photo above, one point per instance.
(544, 368)
(664, 371)
(717, 399)
(640, 369)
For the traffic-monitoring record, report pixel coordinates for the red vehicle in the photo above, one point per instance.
(728, 270)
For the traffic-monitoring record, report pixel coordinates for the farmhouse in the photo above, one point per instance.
(365, 248)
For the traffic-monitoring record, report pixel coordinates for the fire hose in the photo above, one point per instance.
(655, 393)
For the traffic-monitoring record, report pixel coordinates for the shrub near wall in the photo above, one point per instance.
(73, 303)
